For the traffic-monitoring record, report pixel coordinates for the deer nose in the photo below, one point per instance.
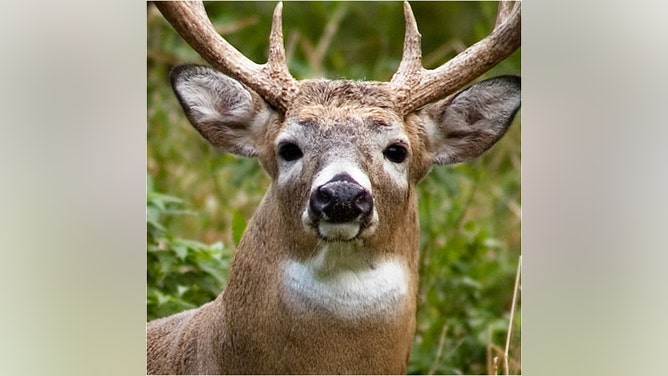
(341, 200)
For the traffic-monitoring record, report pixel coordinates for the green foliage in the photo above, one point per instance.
(469, 213)
(181, 273)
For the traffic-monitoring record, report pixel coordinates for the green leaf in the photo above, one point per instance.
(181, 251)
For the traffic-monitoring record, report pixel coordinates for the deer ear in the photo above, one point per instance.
(227, 114)
(464, 126)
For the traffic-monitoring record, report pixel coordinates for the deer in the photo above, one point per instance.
(325, 276)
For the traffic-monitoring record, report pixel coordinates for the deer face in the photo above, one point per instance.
(343, 148)
(343, 159)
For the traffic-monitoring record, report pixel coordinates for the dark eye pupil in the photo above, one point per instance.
(395, 153)
(290, 152)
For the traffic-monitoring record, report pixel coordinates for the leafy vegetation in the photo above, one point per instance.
(199, 199)
(182, 273)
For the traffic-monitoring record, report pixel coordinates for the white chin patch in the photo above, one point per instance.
(338, 231)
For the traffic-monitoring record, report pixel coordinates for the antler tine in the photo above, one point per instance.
(411, 59)
(276, 47)
(272, 81)
(277, 66)
(410, 68)
(424, 86)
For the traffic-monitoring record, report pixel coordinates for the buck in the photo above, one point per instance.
(324, 279)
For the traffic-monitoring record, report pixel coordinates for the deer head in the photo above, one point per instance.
(344, 158)
(338, 146)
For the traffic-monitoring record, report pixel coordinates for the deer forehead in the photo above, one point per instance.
(338, 93)
(341, 111)
(351, 123)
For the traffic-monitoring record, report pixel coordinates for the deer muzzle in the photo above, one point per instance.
(339, 209)
(341, 201)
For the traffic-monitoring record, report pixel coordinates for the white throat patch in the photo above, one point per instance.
(342, 281)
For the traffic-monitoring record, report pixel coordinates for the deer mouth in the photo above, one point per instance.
(340, 232)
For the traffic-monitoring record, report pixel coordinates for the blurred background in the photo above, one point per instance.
(199, 199)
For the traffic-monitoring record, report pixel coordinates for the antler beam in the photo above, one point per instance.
(416, 86)
(272, 80)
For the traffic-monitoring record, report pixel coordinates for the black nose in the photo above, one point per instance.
(341, 200)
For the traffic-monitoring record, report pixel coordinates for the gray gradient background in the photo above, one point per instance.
(594, 179)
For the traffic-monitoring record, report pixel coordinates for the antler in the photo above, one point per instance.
(271, 80)
(416, 86)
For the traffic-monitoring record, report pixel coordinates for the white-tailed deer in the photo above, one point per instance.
(324, 279)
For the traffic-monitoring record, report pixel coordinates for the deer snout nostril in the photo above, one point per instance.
(341, 201)
(364, 203)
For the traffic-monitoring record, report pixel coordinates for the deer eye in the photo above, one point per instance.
(395, 153)
(290, 152)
